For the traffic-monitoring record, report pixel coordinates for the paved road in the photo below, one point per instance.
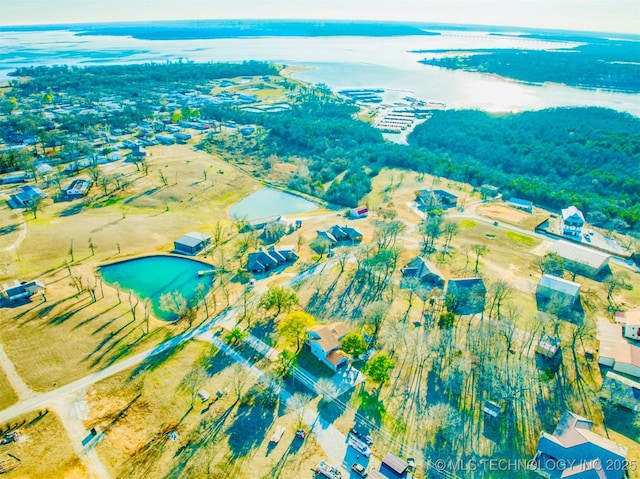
(42, 399)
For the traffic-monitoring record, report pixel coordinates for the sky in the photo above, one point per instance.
(622, 16)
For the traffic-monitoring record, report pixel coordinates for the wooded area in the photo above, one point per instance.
(607, 64)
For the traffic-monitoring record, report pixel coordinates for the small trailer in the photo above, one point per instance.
(277, 435)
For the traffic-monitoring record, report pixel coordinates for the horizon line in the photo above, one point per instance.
(324, 20)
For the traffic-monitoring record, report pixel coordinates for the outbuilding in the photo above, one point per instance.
(393, 466)
(192, 243)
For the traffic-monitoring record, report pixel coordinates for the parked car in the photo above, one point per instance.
(359, 469)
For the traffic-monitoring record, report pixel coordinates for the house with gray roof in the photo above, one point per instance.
(264, 260)
(572, 221)
(26, 197)
(337, 234)
(549, 286)
(466, 295)
(424, 271)
(16, 291)
(575, 451)
(428, 200)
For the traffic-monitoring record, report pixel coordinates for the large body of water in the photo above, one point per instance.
(338, 62)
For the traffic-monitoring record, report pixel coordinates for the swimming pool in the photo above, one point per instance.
(269, 202)
(152, 276)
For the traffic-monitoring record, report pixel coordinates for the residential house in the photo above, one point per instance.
(165, 139)
(262, 260)
(572, 221)
(631, 321)
(489, 191)
(27, 196)
(359, 212)
(16, 291)
(263, 223)
(548, 345)
(617, 352)
(324, 342)
(580, 259)
(337, 234)
(77, 188)
(520, 204)
(549, 286)
(621, 390)
(181, 137)
(466, 295)
(574, 450)
(428, 200)
(14, 177)
(43, 170)
(424, 271)
(191, 243)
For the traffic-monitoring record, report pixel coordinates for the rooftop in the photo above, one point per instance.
(520, 202)
(579, 254)
(571, 211)
(192, 239)
(559, 284)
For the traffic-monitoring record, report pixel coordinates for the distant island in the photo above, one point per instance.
(212, 29)
(606, 64)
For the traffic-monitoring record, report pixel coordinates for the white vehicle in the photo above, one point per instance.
(327, 470)
(277, 435)
(359, 446)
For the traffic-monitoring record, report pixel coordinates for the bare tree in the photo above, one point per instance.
(499, 291)
(479, 250)
(374, 315)
(238, 379)
(192, 383)
(133, 304)
(614, 282)
(450, 230)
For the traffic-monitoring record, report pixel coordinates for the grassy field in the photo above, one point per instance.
(44, 450)
(7, 394)
(69, 335)
(501, 212)
(227, 437)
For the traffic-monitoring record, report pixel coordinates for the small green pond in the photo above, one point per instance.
(153, 276)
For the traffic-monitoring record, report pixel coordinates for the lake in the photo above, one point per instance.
(152, 276)
(268, 202)
(338, 62)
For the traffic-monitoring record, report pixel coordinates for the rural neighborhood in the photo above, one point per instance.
(173, 305)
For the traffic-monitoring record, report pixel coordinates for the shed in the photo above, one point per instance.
(565, 290)
(492, 409)
(394, 465)
(548, 346)
(521, 204)
(191, 243)
(204, 395)
(359, 212)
